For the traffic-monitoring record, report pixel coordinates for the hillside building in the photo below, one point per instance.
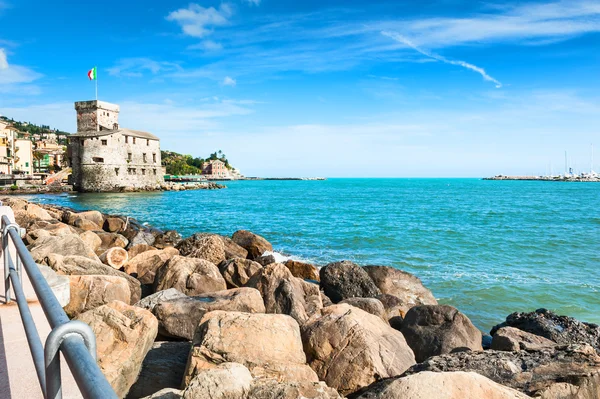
(215, 169)
(106, 157)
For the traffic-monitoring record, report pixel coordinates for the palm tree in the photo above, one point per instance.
(38, 156)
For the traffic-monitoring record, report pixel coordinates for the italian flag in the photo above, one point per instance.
(92, 74)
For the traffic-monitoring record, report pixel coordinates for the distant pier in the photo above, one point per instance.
(583, 178)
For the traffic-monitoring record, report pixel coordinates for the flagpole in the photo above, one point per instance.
(96, 71)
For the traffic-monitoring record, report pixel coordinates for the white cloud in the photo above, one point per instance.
(229, 81)
(474, 68)
(206, 45)
(135, 67)
(16, 78)
(197, 21)
(3, 60)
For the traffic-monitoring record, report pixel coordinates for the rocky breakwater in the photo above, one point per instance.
(216, 317)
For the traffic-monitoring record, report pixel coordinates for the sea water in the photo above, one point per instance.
(489, 248)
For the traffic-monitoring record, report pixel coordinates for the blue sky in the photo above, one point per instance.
(322, 88)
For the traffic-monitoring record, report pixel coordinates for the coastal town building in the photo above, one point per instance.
(106, 157)
(23, 157)
(16, 151)
(215, 169)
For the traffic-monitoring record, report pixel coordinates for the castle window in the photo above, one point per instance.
(98, 160)
(129, 156)
(144, 155)
(147, 141)
(117, 171)
(144, 172)
(154, 171)
(82, 142)
(107, 114)
(126, 139)
(154, 158)
(134, 140)
(133, 171)
(104, 142)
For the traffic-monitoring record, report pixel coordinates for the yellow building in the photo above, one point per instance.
(16, 155)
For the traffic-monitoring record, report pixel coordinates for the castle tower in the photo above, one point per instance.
(96, 116)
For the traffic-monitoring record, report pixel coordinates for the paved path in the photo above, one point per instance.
(18, 379)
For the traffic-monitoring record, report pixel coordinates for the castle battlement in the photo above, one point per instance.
(96, 115)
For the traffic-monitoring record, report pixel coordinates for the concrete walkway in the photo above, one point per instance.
(18, 379)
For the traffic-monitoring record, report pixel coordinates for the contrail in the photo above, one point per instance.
(438, 57)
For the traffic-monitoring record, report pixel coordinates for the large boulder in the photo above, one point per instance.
(513, 339)
(110, 240)
(369, 305)
(86, 225)
(89, 292)
(82, 266)
(165, 393)
(169, 238)
(179, 317)
(253, 243)
(269, 345)
(30, 212)
(163, 367)
(113, 224)
(343, 280)
(350, 348)
(145, 265)
(407, 287)
(91, 239)
(451, 385)
(303, 270)
(124, 335)
(210, 248)
(531, 372)
(272, 389)
(560, 329)
(286, 294)
(151, 301)
(237, 271)
(66, 245)
(92, 216)
(433, 330)
(190, 276)
(226, 381)
(394, 306)
(137, 249)
(232, 250)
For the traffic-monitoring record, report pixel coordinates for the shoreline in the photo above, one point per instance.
(575, 179)
(186, 290)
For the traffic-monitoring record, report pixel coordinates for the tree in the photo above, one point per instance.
(38, 156)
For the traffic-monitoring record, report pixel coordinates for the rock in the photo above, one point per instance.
(169, 238)
(142, 237)
(530, 372)
(271, 389)
(432, 330)
(163, 367)
(15, 203)
(405, 286)
(151, 301)
(269, 345)
(113, 225)
(394, 307)
(110, 240)
(114, 257)
(124, 335)
(451, 385)
(350, 348)
(167, 393)
(303, 270)
(85, 224)
(265, 260)
(91, 239)
(81, 266)
(226, 381)
(32, 236)
(137, 249)
(253, 243)
(209, 248)
(31, 212)
(369, 305)
(237, 271)
(145, 265)
(286, 294)
(59, 229)
(59, 284)
(232, 250)
(179, 317)
(89, 292)
(70, 244)
(190, 276)
(560, 329)
(342, 280)
(93, 216)
(513, 339)
(325, 299)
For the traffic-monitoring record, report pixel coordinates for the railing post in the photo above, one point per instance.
(6, 263)
(52, 354)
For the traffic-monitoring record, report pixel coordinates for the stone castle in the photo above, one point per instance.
(106, 157)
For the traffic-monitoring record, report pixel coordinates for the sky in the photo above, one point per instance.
(435, 88)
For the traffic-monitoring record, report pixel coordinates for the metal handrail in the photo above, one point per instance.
(74, 339)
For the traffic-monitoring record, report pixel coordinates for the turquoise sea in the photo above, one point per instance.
(487, 247)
